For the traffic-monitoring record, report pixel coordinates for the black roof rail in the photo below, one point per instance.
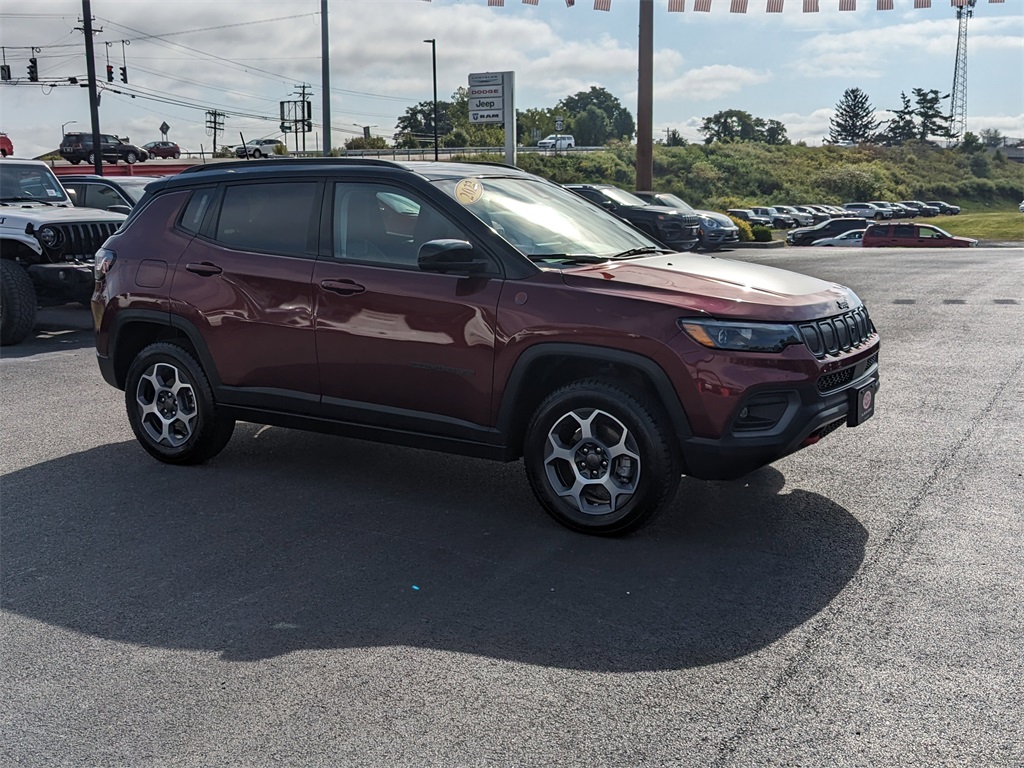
(276, 162)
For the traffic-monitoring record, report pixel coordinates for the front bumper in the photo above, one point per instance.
(62, 283)
(743, 416)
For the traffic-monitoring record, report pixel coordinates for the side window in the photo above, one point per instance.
(904, 231)
(99, 196)
(271, 216)
(195, 211)
(380, 224)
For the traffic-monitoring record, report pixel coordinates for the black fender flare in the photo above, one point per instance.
(541, 352)
(171, 321)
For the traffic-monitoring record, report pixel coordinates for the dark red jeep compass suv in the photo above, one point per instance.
(474, 309)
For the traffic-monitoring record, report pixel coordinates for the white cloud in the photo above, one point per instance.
(710, 82)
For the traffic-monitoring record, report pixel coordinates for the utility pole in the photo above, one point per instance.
(94, 102)
(325, 75)
(214, 125)
(300, 120)
(645, 99)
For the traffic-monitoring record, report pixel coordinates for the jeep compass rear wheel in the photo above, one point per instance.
(171, 408)
(597, 458)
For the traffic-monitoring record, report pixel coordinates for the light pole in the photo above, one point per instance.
(63, 126)
(433, 57)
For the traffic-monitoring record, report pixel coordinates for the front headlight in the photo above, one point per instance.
(50, 236)
(710, 223)
(740, 336)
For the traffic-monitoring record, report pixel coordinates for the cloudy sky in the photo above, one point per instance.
(244, 57)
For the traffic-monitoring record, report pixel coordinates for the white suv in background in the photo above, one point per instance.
(557, 141)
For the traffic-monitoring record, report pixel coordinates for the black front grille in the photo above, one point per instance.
(835, 380)
(80, 241)
(841, 333)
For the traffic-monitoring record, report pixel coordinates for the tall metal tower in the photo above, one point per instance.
(958, 115)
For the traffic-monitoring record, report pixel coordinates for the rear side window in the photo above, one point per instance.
(195, 211)
(904, 230)
(276, 217)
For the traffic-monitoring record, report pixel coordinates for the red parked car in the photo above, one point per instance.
(474, 309)
(910, 235)
(6, 147)
(163, 149)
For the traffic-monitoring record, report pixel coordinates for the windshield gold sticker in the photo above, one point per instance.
(468, 191)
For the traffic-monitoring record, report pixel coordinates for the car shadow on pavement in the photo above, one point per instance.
(291, 541)
(56, 329)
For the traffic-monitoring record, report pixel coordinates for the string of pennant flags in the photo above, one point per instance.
(771, 6)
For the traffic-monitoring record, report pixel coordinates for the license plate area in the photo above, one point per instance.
(862, 404)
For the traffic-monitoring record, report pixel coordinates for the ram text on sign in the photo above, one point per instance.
(487, 116)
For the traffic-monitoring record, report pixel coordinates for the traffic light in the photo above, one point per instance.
(124, 74)
(5, 71)
(33, 70)
(110, 73)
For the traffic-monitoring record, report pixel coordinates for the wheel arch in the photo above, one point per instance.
(545, 367)
(134, 330)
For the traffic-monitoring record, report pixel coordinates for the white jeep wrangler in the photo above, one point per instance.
(46, 245)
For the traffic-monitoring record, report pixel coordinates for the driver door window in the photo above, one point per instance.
(382, 225)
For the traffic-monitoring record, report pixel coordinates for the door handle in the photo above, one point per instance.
(203, 268)
(342, 287)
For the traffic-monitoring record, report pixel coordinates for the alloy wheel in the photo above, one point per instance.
(167, 405)
(592, 460)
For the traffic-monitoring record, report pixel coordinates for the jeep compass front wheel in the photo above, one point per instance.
(598, 459)
(171, 407)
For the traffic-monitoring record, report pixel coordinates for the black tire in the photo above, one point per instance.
(257, 154)
(130, 158)
(171, 407)
(17, 303)
(643, 469)
(91, 158)
(74, 162)
(177, 155)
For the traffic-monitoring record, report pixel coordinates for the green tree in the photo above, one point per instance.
(736, 125)
(673, 139)
(374, 142)
(931, 120)
(970, 144)
(591, 127)
(620, 120)
(771, 131)
(902, 127)
(728, 125)
(534, 124)
(991, 137)
(854, 119)
(416, 127)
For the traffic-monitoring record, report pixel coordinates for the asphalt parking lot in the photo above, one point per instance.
(310, 600)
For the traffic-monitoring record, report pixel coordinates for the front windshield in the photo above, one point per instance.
(675, 202)
(544, 221)
(24, 181)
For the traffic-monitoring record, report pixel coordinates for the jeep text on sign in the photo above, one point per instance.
(490, 104)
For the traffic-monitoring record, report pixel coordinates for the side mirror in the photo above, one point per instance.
(608, 205)
(72, 196)
(125, 209)
(449, 256)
